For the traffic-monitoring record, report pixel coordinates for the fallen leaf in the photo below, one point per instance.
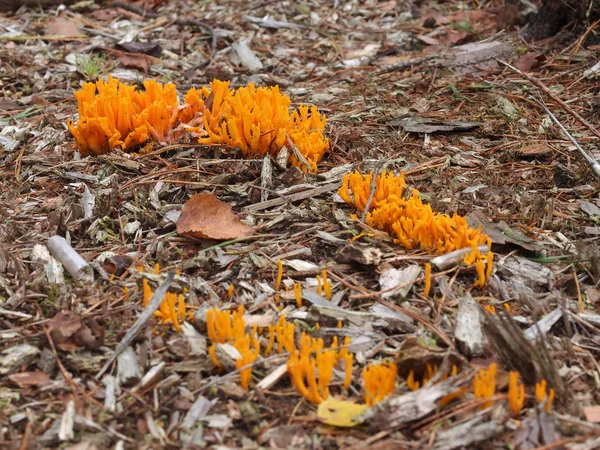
(204, 216)
(592, 413)
(340, 413)
(58, 26)
(135, 61)
(25, 379)
(528, 61)
(68, 332)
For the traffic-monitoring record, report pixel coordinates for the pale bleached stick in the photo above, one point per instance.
(154, 304)
(590, 159)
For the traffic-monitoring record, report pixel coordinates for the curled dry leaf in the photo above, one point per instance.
(204, 216)
(26, 379)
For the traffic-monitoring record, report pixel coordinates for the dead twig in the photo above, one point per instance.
(554, 97)
(154, 304)
(590, 159)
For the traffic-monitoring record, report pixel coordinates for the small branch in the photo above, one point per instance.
(590, 159)
(154, 304)
(554, 97)
(379, 169)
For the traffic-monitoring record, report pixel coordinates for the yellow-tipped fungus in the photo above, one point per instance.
(484, 384)
(516, 392)
(379, 381)
(412, 223)
(427, 280)
(541, 396)
(298, 294)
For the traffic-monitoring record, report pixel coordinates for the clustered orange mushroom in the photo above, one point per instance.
(484, 384)
(172, 309)
(379, 381)
(311, 367)
(413, 223)
(257, 120)
(284, 332)
(225, 327)
(115, 115)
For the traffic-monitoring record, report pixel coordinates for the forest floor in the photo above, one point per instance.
(451, 96)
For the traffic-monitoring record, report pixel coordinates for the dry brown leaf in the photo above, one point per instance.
(58, 26)
(528, 61)
(204, 216)
(135, 61)
(25, 379)
(592, 413)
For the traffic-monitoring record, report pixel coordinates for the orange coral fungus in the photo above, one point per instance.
(427, 280)
(298, 294)
(484, 384)
(542, 397)
(411, 222)
(279, 274)
(379, 381)
(115, 115)
(516, 392)
(172, 309)
(430, 371)
(225, 327)
(258, 121)
(326, 284)
(284, 332)
(310, 374)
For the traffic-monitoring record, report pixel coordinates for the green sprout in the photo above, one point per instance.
(91, 66)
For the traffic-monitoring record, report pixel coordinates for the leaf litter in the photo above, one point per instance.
(389, 337)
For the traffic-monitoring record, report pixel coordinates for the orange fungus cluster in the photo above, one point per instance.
(413, 223)
(256, 120)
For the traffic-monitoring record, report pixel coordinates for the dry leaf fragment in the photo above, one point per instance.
(59, 26)
(592, 413)
(341, 413)
(26, 379)
(204, 216)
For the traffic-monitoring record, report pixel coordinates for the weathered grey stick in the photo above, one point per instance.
(68, 257)
(154, 304)
(590, 159)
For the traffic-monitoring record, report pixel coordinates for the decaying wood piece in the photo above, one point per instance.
(110, 393)
(466, 434)
(532, 360)
(227, 355)
(396, 410)
(146, 314)
(271, 379)
(13, 358)
(266, 178)
(529, 273)
(198, 410)
(396, 277)
(66, 432)
(312, 192)
(128, 369)
(151, 377)
(73, 262)
(451, 259)
(542, 326)
(468, 333)
(360, 253)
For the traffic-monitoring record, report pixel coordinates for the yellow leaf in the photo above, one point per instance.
(340, 413)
